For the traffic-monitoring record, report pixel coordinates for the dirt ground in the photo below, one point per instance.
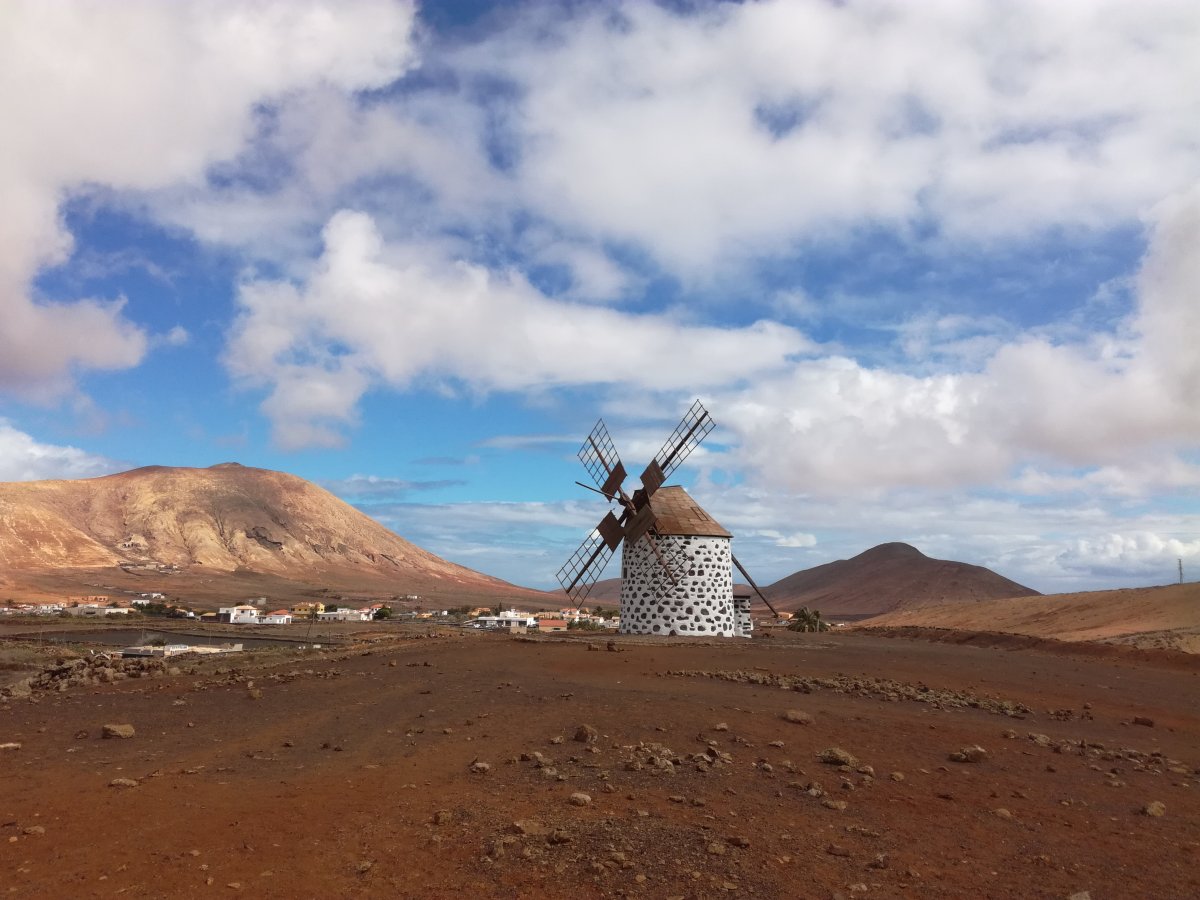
(351, 774)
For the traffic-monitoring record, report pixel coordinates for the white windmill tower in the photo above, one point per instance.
(677, 563)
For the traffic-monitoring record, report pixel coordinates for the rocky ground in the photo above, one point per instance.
(491, 766)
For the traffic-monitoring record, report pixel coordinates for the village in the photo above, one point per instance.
(256, 612)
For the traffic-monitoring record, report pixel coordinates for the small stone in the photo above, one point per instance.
(837, 850)
(579, 799)
(11, 745)
(972, 754)
(738, 841)
(530, 828)
(836, 756)
(586, 734)
(797, 717)
(118, 731)
(255, 693)
(442, 817)
(721, 726)
(897, 776)
(33, 829)
(1081, 895)
(1002, 813)
(1143, 720)
(480, 768)
(1155, 808)
(715, 849)
(838, 805)
(123, 783)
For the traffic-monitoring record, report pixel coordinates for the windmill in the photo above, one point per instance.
(677, 562)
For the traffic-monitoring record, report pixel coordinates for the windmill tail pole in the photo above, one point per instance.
(746, 575)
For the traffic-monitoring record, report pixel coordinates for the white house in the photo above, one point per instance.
(345, 615)
(242, 614)
(279, 617)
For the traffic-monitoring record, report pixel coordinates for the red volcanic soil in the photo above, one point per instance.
(350, 774)
(889, 577)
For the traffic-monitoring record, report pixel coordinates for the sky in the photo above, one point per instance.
(933, 268)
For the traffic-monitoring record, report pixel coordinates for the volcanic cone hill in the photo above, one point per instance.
(886, 578)
(218, 531)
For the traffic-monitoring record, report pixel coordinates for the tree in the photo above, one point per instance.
(384, 612)
(806, 619)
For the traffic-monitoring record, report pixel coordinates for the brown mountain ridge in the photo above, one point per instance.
(887, 578)
(890, 577)
(216, 532)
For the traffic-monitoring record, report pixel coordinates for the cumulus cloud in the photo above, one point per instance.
(732, 129)
(138, 96)
(374, 314)
(24, 459)
(833, 424)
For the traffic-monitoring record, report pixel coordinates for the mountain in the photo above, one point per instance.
(889, 577)
(1165, 617)
(219, 532)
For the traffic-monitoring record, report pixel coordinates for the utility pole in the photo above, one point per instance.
(1181, 570)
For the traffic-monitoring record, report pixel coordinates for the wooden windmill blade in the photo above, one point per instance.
(691, 430)
(673, 563)
(599, 456)
(581, 571)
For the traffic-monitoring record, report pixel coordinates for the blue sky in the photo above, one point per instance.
(932, 268)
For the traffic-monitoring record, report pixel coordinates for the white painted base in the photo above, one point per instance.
(699, 604)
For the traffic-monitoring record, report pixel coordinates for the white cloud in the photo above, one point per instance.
(834, 425)
(24, 459)
(736, 129)
(136, 96)
(374, 314)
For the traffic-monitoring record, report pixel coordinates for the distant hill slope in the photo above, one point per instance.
(1156, 617)
(886, 578)
(196, 525)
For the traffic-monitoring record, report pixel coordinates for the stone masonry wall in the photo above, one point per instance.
(700, 604)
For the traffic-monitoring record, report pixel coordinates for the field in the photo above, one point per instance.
(445, 764)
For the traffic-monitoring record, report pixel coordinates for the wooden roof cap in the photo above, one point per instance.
(677, 513)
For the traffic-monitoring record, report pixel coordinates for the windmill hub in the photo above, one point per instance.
(677, 562)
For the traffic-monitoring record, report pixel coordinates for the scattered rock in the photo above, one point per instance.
(797, 717)
(480, 768)
(33, 829)
(1002, 813)
(738, 841)
(579, 799)
(836, 756)
(586, 734)
(11, 745)
(838, 805)
(1155, 808)
(1143, 720)
(118, 731)
(721, 726)
(837, 850)
(442, 817)
(973, 754)
(123, 783)
(715, 849)
(530, 828)
(897, 776)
